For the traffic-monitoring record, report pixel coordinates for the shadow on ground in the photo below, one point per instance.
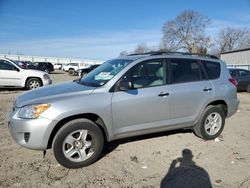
(111, 146)
(183, 172)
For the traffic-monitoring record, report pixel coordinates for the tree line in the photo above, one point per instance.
(187, 32)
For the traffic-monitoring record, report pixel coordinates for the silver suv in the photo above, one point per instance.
(124, 97)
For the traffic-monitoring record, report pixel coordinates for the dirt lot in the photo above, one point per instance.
(170, 159)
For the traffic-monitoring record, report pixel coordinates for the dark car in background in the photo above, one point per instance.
(43, 66)
(84, 71)
(243, 78)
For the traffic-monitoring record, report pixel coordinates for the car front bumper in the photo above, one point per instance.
(47, 82)
(31, 133)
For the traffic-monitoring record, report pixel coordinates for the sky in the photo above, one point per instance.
(101, 29)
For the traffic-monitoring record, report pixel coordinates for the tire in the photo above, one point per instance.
(33, 83)
(72, 72)
(82, 150)
(211, 123)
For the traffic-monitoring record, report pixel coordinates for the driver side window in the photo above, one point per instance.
(147, 74)
(5, 65)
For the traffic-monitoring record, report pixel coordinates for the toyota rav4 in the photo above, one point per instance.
(125, 97)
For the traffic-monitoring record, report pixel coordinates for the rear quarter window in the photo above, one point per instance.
(213, 69)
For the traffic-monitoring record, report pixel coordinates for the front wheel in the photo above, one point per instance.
(78, 143)
(211, 123)
(33, 83)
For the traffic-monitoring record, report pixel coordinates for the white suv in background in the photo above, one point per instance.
(14, 74)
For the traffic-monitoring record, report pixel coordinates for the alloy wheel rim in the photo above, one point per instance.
(213, 123)
(78, 146)
(34, 84)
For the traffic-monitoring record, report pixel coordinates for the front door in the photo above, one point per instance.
(146, 106)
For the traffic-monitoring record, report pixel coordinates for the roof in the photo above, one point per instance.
(162, 52)
(237, 50)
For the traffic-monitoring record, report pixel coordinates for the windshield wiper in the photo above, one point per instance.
(81, 82)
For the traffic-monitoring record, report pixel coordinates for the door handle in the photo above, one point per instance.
(163, 94)
(207, 89)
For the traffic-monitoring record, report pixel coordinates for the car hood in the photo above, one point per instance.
(52, 93)
(34, 72)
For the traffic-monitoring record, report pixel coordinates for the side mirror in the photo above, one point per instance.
(124, 85)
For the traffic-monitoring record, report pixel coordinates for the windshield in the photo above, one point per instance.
(105, 72)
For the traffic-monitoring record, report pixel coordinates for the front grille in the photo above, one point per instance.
(26, 137)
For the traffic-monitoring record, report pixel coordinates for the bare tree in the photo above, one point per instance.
(231, 38)
(186, 31)
(141, 48)
(123, 53)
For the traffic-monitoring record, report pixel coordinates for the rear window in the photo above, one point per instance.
(212, 69)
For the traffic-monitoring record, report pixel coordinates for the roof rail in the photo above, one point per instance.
(145, 53)
(175, 53)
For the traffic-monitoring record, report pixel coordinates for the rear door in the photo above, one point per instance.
(190, 89)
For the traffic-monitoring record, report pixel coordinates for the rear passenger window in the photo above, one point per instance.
(212, 69)
(185, 70)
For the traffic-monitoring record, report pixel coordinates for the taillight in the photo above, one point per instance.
(233, 81)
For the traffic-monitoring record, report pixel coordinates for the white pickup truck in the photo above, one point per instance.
(71, 68)
(13, 74)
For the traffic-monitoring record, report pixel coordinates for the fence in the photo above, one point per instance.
(239, 66)
(52, 60)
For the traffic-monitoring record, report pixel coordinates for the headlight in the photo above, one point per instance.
(32, 111)
(46, 77)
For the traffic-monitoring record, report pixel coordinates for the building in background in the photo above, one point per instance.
(53, 60)
(239, 58)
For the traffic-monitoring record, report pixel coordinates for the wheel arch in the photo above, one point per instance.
(30, 77)
(221, 103)
(90, 116)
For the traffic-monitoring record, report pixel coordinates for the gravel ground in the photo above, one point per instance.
(169, 159)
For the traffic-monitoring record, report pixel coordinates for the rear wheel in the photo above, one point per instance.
(78, 143)
(33, 83)
(211, 123)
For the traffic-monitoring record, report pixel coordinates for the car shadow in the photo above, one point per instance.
(111, 146)
(183, 172)
(57, 72)
(11, 90)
